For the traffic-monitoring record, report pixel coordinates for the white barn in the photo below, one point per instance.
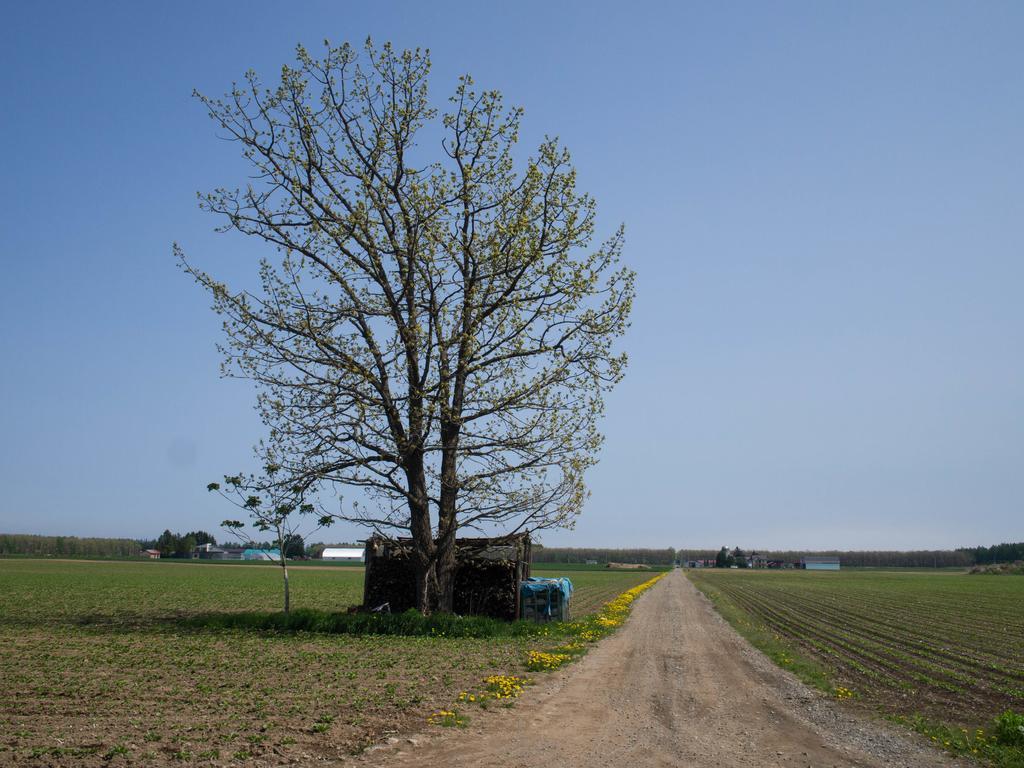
(343, 554)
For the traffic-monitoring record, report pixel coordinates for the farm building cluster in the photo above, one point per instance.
(755, 560)
(211, 552)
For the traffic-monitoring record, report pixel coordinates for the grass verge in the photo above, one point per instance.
(1002, 745)
(413, 624)
(408, 624)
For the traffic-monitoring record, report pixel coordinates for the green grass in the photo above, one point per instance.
(941, 650)
(591, 592)
(1001, 749)
(126, 591)
(298, 563)
(98, 659)
(44, 590)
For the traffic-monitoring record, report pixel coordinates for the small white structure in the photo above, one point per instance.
(343, 554)
(819, 563)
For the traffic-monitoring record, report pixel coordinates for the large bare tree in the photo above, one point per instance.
(433, 324)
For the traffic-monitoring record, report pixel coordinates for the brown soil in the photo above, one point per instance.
(675, 687)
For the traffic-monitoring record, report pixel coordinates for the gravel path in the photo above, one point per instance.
(676, 686)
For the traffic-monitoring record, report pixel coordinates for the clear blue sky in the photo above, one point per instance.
(824, 202)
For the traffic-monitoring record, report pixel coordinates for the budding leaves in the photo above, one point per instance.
(435, 330)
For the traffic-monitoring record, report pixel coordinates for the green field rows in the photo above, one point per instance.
(949, 646)
(45, 590)
(96, 669)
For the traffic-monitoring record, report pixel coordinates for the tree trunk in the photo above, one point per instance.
(445, 555)
(447, 524)
(284, 568)
(444, 571)
(287, 596)
(422, 534)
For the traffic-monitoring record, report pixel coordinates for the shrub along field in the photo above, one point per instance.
(931, 648)
(100, 663)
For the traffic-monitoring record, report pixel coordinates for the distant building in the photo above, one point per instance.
(757, 560)
(206, 552)
(701, 563)
(819, 563)
(261, 554)
(343, 554)
(152, 554)
(211, 552)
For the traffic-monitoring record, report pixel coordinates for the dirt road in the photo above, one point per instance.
(674, 687)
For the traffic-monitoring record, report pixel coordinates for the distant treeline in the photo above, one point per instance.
(925, 558)
(181, 545)
(864, 559)
(176, 544)
(65, 546)
(184, 544)
(543, 554)
(998, 553)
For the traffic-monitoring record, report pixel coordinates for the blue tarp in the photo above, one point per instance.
(537, 584)
(261, 554)
(542, 591)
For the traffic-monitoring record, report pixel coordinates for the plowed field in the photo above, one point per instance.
(946, 645)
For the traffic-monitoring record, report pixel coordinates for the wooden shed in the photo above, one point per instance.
(487, 575)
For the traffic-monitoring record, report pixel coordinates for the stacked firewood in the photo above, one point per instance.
(484, 585)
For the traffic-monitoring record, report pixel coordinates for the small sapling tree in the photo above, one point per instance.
(280, 511)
